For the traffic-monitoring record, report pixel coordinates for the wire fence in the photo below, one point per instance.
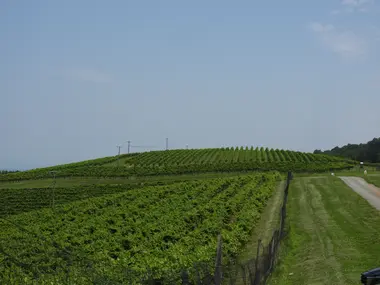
(257, 270)
(72, 266)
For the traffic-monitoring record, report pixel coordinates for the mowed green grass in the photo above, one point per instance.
(333, 234)
(373, 179)
(269, 222)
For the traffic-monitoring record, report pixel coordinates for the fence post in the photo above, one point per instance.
(197, 275)
(185, 278)
(218, 263)
(252, 275)
(289, 178)
(244, 276)
(273, 246)
(257, 275)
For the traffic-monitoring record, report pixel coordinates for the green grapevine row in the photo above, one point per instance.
(16, 201)
(153, 170)
(191, 161)
(162, 229)
(199, 156)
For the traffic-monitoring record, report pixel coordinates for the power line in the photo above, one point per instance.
(142, 146)
(130, 146)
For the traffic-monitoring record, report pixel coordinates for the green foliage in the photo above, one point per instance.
(16, 201)
(368, 152)
(161, 230)
(8, 171)
(190, 161)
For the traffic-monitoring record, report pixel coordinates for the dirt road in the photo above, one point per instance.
(369, 192)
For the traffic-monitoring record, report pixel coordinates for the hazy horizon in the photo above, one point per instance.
(79, 78)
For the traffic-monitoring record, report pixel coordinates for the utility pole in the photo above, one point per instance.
(167, 143)
(129, 146)
(187, 146)
(119, 147)
(53, 186)
(118, 154)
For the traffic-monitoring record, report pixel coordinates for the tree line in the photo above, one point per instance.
(367, 152)
(8, 171)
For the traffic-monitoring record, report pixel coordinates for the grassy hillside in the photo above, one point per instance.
(174, 162)
(163, 229)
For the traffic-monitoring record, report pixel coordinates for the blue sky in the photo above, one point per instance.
(79, 77)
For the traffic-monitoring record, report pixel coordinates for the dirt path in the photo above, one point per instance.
(369, 192)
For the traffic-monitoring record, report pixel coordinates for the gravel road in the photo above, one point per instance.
(368, 191)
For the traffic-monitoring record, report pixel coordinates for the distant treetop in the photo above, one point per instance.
(368, 152)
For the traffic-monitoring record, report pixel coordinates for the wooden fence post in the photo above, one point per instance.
(218, 263)
(257, 275)
(185, 278)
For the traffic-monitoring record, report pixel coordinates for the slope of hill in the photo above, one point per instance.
(368, 152)
(137, 213)
(189, 161)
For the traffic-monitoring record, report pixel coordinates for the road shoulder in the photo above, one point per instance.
(368, 191)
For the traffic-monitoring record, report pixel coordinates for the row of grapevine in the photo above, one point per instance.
(191, 161)
(16, 201)
(173, 169)
(159, 229)
(198, 156)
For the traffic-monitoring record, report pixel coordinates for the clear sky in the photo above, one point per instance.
(79, 77)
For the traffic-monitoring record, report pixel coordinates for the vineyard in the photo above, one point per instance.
(140, 216)
(175, 162)
(157, 229)
(16, 201)
(223, 155)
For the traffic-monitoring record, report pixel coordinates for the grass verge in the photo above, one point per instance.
(269, 222)
(333, 234)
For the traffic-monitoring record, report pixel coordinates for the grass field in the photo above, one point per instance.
(333, 234)
(373, 179)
